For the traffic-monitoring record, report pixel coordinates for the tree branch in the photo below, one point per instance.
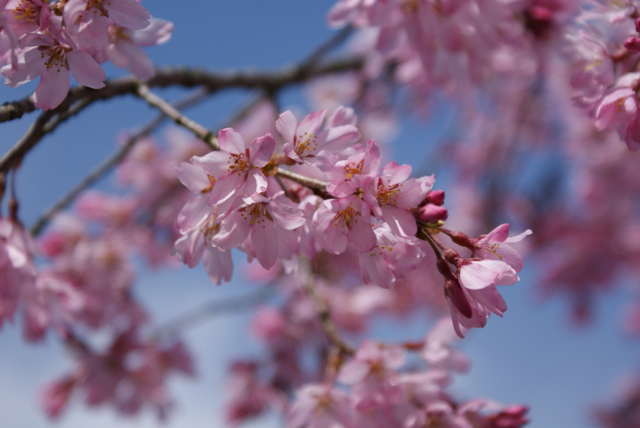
(109, 163)
(189, 77)
(211, 139)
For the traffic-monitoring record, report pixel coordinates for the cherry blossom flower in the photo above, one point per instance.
(304, 141)
(319, 406)
(237, 167)
(52, 60)
(342, 222)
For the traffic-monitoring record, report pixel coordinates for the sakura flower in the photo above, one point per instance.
(342, 222)
(304, 141)
(391, 195)
(348, 175)
(237, 167)
(617, 109)
(27, 16)
(88, 19)
(259, 217)
(387, 260)
(319, 406)
(495, 245)
(52, 60)
(196, 244)
(479, 274)
(438, 352)
(123, 46)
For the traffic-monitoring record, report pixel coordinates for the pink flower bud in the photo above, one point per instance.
(453, 291)
(436, 197)
(632, 44)
(431, 213)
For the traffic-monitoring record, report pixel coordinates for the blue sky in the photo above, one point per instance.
(533, 355)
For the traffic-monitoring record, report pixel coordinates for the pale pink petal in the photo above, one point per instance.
(193, 177)
(230, 141)
(256, 182)
(52, 88)
(30, 65)
(361, 235)
(138, 62)
(194, 212)
(261, 149)
(158, 32)
(215, 164)
(518, 238)
(336, 140)
(93, 30)
(399, 220)
(286, 216)
(218, 264)
(481, 274)
(233, 231)
(310, 124)
(85, 69)
(286, 126)
(374, 268)
(265, 243)
(128, 13)
(225, 188)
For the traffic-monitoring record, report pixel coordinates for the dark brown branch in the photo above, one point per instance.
(189, 77)
(109, 163)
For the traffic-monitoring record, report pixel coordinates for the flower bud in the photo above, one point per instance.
(431, 213)
(632, 44)
(453, 291)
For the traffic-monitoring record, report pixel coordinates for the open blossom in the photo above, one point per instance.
(88, 19)
(348, 175)
(26, 16)
(342, 222)
(123, 46)
(237, 167)
(304, 141)
(495, 246)
(319, 406)
(437, 349)
(259, 217)
(52, 60)
(392, 194)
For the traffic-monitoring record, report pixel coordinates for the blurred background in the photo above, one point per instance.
(535, 355)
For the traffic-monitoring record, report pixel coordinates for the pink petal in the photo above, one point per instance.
(361, 235)
(215, 164)
(265, 243)
(92, 31)
(518, 238)
(225, 187)
(478, 275)
(375, 268)
(261, 149)
(158, 32)
(193, 177)
(310, 124)
(233, 231)
(256, 182)
(399, 220)
(286, 216)
(52, 88)
(336, 140)
(218, 264)
(230, 141)
(286, 126)
(85, 69)
(128, 13)
(393, 173)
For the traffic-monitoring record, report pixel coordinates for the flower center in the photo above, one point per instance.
(209, 230)
(55, 57)
(353, 168)
(26, 11)
(208, 189)
(119, 34)
(303, 148)
(493, 248)
(347, 217)
(387, 194)
(410, 6)
(97, 6)
(256, 213)
(238, 163)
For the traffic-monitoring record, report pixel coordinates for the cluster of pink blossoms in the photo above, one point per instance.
(51, 40)
(242, 202)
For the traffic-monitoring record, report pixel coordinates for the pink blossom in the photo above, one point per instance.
(304, 141)
(27, 16)
(52, 60)
(319, 406)
(342, 222)
(438, 350)
(348, 175)
(237, 167)
(88, 19)
(495, 245)
(259, 217)
(391, 195)
(123, 46)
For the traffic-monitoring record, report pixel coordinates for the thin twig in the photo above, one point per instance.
(98, 172)
(211, 139)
